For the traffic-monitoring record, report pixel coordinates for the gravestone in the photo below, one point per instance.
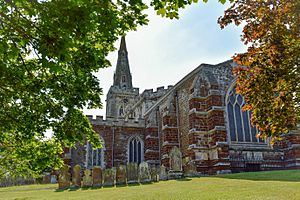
(46, 178)
(53, 179)
(87, 180)
(97, 176)
(163, 173)
(154, 175)
(76, 178)
(109, 177)
(132, 173)
(144, 173)
(121, 178)
(190, 169)
(64, 178)
(175, 159)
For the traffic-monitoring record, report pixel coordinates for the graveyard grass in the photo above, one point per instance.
(252, 185)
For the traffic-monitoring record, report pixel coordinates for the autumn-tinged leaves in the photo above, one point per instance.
(270, 83)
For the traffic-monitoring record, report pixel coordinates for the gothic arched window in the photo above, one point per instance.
(240, 128)
(94, 157)
(135, 150)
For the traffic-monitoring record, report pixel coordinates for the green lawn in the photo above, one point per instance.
(260, 185)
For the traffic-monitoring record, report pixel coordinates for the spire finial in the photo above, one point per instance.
(123, 43)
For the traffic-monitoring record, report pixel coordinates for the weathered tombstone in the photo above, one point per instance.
(190, 169)
(144, 173)
(175, 171)
(154, 175)
(46, 178)
(76, 178)
(87, 180)
(53, 179)
(64, 178)
(97, 176)
(175, 159)
(121, 178)
(109, 177)
(132, 173)
(163, 173)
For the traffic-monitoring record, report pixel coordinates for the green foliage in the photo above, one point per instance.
(49, 51)
(270, 82)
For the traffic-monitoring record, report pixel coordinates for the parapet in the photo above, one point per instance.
(154, 94)
(131, 122)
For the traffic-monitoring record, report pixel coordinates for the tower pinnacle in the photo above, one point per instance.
(122, 76)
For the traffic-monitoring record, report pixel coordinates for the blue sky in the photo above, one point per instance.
(163, 52)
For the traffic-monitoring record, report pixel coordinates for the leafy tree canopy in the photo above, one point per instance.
(271, 81)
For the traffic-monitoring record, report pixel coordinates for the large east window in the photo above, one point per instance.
(135, 150)
(240, 128)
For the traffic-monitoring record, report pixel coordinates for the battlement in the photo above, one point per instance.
(159, 92)
(131, 122)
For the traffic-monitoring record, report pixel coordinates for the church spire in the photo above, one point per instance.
(122, 76)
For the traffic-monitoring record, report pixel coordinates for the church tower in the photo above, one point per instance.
(121, 95)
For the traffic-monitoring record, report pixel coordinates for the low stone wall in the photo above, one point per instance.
(6, 182)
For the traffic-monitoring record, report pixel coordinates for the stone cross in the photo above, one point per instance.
(64, 178)
(175, 159)
(132, 173)
(97, 176)
(144, 173)
(76, 178)
(109, 177)
(87, 180)
(121, 178)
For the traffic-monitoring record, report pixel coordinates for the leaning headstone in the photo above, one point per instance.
(144, 173)
(175, 159)
(87, 180)
(46, 178)
(121, 175)
(76, 178)
(109, 177)
(154, 175)
(64, 178)
(163, 173)
(190, 169)
(132, 173)
(97, 176)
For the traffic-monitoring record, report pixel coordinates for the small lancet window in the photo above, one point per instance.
(121, 111)
(123, 79)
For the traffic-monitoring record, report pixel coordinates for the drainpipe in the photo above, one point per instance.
(112, 147)
(177, 118)
(159, 134)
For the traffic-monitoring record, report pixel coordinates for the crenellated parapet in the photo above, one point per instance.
(131, 122)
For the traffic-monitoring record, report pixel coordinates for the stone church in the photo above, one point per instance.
(201, 115)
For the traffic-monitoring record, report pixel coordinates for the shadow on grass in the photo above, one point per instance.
(183, 179)
(280, 175)
(133, 184)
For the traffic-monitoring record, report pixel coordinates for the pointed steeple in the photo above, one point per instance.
(122, 76)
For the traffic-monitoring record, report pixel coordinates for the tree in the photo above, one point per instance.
(49, 51)
(270, 82)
